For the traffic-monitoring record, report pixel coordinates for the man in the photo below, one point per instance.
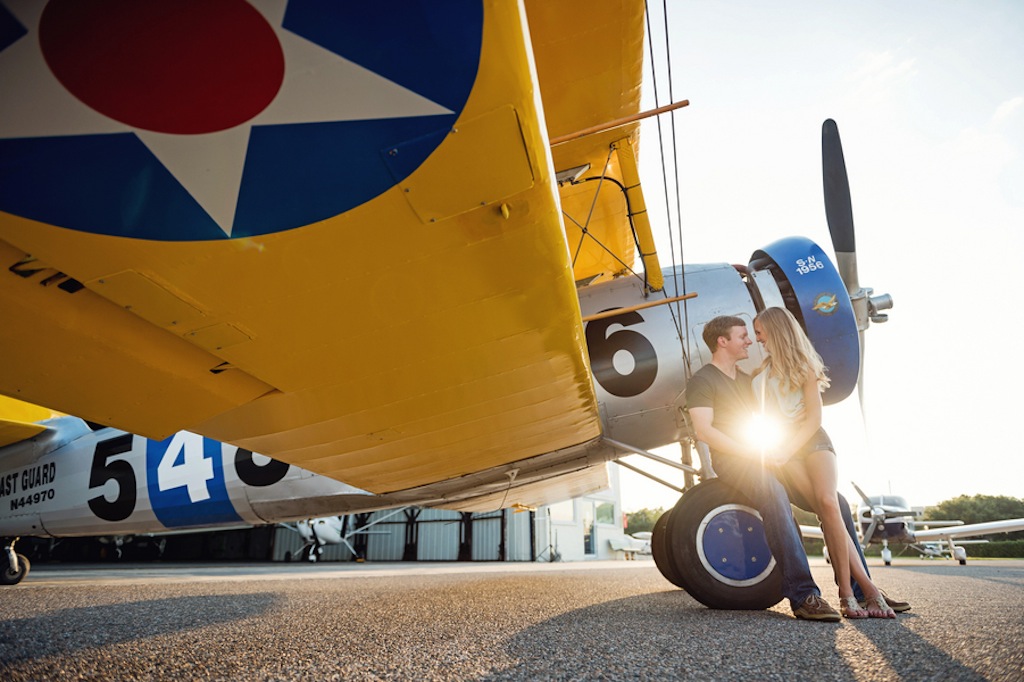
(721, 401)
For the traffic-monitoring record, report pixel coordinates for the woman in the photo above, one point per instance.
(788, 385)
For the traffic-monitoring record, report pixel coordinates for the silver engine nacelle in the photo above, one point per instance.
(642, 359)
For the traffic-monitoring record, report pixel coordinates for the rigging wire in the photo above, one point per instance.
(584, 227)
(675, 168)
(679, 318)
(661, 150)
(587, 233)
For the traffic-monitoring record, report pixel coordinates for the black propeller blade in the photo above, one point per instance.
(839, 214)
(838, 207)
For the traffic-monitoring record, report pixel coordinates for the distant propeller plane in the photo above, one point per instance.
(887, 518)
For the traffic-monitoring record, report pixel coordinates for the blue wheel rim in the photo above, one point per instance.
(732, 546)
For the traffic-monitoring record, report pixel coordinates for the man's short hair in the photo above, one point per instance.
(719, 327)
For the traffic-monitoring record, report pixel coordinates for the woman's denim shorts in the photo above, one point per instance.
(819, 441)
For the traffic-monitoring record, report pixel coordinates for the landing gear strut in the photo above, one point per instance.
(313, 552)
(15, 566)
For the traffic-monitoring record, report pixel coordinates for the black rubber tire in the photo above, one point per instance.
(749, 579)
(9, 577)
(659, 550)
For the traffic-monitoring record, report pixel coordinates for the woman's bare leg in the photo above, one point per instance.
(800, 475)
(821, 470)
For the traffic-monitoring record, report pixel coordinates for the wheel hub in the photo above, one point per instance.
(732, 547)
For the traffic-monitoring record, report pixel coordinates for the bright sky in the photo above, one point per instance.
(929, 99)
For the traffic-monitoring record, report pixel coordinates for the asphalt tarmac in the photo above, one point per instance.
(567, 621)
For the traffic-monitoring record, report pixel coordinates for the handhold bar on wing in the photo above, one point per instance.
(602, 127)
(639, 306)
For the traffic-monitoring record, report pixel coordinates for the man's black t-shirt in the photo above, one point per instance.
(731, 399)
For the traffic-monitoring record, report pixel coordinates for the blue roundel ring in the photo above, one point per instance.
(732, 546)
(815, 292)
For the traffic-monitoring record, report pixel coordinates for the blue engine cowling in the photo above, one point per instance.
(814, 292)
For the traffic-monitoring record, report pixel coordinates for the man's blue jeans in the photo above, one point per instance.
(769, 497)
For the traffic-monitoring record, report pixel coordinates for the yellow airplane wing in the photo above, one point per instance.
(345, 250)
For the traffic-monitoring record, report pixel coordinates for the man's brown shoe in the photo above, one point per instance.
(894, 604)
(816, 608)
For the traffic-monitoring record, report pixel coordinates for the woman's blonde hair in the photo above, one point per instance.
(791, 356)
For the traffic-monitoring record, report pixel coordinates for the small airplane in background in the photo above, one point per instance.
(72, 479)
(632, 544)
(77, 479)
(321, 532)
(642, 541)
(936, 550)
(888, 518)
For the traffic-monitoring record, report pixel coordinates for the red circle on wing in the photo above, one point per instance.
(184, 67)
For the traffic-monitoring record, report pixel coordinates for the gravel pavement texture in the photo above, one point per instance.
(582, 621)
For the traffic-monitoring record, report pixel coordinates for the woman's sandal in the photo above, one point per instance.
(877, 608)
(849, 607)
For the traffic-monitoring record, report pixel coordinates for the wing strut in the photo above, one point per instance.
(650, 455)
(638, 213)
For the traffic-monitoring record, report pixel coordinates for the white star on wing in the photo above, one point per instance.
(319, 86)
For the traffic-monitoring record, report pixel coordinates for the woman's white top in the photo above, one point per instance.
(770, 395)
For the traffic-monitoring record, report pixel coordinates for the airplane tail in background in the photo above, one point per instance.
(20, 420)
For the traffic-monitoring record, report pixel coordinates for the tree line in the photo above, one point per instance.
(966, 508)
